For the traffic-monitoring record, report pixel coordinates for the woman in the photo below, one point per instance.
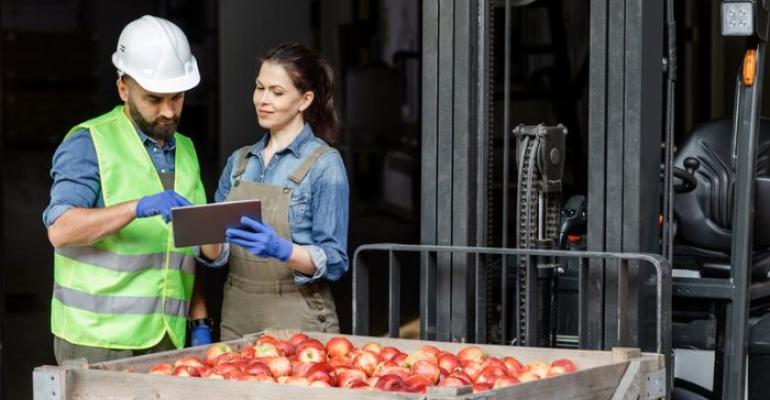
(280, 267)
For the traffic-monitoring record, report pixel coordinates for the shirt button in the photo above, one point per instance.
(163, 170)
(322, 318)
(155, 149)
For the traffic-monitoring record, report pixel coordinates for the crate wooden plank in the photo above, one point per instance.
(89, 384)
(594, 383)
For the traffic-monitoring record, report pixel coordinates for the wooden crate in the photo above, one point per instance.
(617, 374)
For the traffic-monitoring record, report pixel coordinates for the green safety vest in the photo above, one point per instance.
(131, 288)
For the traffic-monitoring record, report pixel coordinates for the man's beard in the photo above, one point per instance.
(160, 129)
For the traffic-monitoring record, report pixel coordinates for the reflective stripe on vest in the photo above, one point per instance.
(119, 304)
(127, 263)
(133, 287)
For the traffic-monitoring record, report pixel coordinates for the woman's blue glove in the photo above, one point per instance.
(160, 203)
(259, 239)
(200, 335)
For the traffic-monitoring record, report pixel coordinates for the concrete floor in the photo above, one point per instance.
(28, 267)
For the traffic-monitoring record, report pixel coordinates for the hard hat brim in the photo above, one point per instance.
(174, 85)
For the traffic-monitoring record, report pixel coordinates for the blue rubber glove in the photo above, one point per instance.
(259, 239)
(160, 203)
(200, 335)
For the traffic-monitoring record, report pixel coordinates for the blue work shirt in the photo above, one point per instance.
(75, 172)
(318, 213)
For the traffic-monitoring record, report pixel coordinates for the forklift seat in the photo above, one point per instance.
(704, 215)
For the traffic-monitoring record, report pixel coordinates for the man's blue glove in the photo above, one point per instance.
(200, 335)
(160, 203)
(259, 239)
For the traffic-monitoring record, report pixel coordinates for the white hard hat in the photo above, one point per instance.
(155, 53)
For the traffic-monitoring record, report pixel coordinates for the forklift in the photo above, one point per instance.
(698, 204)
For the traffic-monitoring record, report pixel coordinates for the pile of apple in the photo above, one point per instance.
(304, 361)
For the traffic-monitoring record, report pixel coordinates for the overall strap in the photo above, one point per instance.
(240, 166)
(299, 174)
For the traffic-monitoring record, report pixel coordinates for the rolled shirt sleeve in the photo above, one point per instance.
(329, 205)
(219, 262)
(75, 173)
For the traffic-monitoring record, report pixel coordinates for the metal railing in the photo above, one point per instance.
(431, 269)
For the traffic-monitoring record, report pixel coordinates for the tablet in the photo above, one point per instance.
(206, 223)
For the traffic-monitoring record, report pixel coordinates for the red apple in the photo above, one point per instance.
(504, 381)
(451, 381)
(225, 367)
(512, 365)
(186, 370)
(387, 353)
(247, 352)
(285, 348)
(449, 362)
(425, 368)
(356, 384)
(389, 368)
(311, 354)
(310, 343)
(472, 353)
(211, 374)
(472, 368)
(264, 339)
(257, 368)
(488, 379)
(266, 349)
(191, 361)
(322, 371)
(418, 383)
(565, 363)
(346, 375)
(213, 351)
(400, 359)
(161, 369)
(527, 376)
(539, 368)
(494, 370)
(300, 368)
(298, 338)
(235, 374)
(373, 347)
(229, 357)
(430, 349)
(367, 361)
(481, 387)
(340, 362)
(338, 346)
(462, 376)
(279, 366)
(421, 355)
(391, 383)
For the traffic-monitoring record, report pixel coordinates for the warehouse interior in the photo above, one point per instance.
(55, 71)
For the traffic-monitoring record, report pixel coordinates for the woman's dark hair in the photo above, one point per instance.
(310, 72)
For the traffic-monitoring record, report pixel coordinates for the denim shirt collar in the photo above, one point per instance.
(294, 147)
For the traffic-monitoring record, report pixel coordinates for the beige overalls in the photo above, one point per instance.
(260, 293)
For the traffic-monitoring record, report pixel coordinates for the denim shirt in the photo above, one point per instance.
(75, 172)
(318, 213)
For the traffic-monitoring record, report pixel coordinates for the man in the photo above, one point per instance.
(120, 286)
